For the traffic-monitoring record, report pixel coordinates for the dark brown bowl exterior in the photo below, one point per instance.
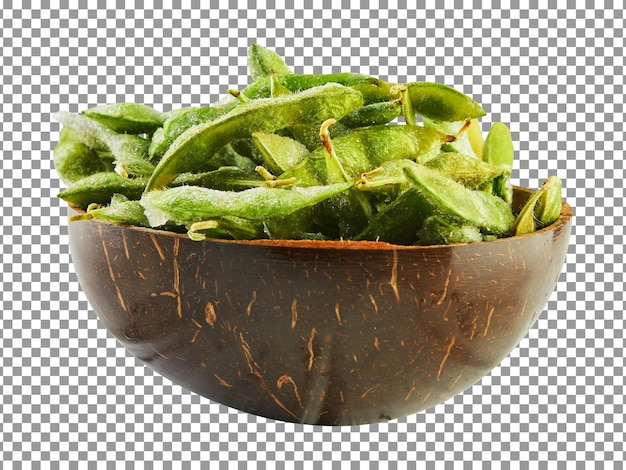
(333, 333)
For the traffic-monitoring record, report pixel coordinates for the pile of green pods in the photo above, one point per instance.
(302, 156)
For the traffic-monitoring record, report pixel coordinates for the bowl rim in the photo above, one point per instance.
(565, 217)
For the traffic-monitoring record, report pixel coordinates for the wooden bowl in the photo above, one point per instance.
(333, 333)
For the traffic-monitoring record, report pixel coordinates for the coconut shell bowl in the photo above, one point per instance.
(318, 332)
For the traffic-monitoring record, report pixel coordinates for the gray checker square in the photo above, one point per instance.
(71, 397)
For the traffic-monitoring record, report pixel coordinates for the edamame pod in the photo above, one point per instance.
(197, 145)
(462, 144)
(127, 118)
(276, 88)
(130, 154)
(226, 178)
(399, 222)
(437, 230)
(279, 153)
(309, 135)
(528, 220)
(189, 204)
(498, 147)
(475, 137)
(365, 149)
(100, 187)
(178, 123)
(372, 89)
(442, 103)
(125, 213)
(469, 171)
(234, 228)
(74, 160)
(227, 156)
(129, 151)
(489, 213)
(88, 131)
(263, 62)
(498, 150)
(550, 203)
(373, 114)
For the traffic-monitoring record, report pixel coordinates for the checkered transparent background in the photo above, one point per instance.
(70, 394)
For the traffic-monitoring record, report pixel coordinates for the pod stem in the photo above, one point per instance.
(407, 107)
(328, 145)
(270, 179)
(238, 95)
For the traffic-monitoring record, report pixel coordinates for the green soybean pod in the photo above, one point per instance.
(130, 155)
(371, 88)
(264, 62)
(489, 213)
(498, 147)
(197, 145)
(279, 153)
(234, 228)
(475, 137)
(228, 156)
(226, 178)
(124, 213)
(189, 204)
(295, 226)
(437, 230)
(367, 148)
(130, 152)
(528, 220)
(373, 114)
(442, 103)
(88, 131)
(469, 171)
(73, 160)
(399, 222)
(128, 118)
(99, 188)
(277, 88)
(345, 214)
(549, 205)
(462, 144)
(309, 134)
(178, 122)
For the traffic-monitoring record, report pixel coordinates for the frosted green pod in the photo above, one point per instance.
(399, 222)
(549, 205)
(490, 213)
(128, 118)
(535, 214)
(129, 151)
(372, 89)
(263, 62)
(442, 103)
(498, 147)
(125, 213)
(197, 145)
(279, 153)
(373, 114)
(234, 228)
(74, 160)
(365, 149)
(462, 144)
(469, 171)
(100, 187)
(226, 178)
(178, 123)
(437, 230)
(189, 204)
